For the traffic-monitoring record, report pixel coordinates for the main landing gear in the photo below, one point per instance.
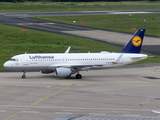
(78, 76)
(24, 75)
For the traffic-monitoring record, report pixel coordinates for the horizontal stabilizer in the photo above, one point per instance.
(140, 57)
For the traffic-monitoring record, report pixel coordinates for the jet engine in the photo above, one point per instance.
(62, 72)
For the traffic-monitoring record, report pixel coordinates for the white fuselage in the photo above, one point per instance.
(82, 61)
(65, 64)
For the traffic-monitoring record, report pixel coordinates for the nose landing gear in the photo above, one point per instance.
(24, 75)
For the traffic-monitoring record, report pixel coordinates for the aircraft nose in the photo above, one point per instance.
(6, 65)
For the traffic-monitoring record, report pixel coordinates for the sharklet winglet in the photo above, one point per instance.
(67, 51)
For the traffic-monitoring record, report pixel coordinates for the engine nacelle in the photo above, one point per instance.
(62, 72)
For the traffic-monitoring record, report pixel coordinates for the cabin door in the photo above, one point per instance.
(25, 60)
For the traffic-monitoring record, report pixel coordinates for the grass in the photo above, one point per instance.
(114, 22)
(6, 7)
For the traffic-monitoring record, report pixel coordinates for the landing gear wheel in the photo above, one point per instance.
(78, 76)
(23, 76)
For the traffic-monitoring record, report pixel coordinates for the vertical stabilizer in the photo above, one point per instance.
(135, 43)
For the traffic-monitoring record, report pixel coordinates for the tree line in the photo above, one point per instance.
(71, 0)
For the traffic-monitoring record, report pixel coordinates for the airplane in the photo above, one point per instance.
(66, 64)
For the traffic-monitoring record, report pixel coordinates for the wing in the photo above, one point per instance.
(75, 68)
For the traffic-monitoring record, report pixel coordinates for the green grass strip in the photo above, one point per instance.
(8, 7)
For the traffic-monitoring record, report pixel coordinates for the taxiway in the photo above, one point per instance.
(128, 91)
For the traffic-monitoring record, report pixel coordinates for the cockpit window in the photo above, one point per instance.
(12, 59)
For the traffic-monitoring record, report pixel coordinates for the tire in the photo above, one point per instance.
(23, 76)
(78, 76)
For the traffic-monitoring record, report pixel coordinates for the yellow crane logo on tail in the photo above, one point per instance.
(136, 41)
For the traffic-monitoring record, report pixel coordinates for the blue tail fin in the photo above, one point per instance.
(135, 43)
